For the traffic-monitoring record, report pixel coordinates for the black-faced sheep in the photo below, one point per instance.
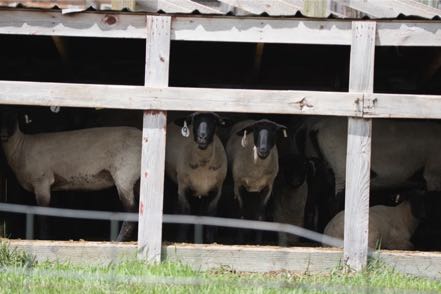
(253, 158)
(86, 159)
(389, 227)
(196, 161)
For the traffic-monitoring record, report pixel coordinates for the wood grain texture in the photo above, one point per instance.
(236, 258)
(402, 106)
(358, 157)
(258, 30)
(316, 8)
(38, 23)
(215, 28)
(396, 33)
(189, 99)
(153, 142)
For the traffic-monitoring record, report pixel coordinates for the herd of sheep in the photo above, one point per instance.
(300, 185)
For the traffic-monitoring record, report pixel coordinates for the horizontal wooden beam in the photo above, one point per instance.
(216, 28)
(236, 258)
(413, 33)
(183, 99)
(402, 106)
(46, 23)
(262, 30)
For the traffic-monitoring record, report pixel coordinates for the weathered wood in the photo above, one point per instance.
(359, 149)
(396, 33)
(402, 106)
(38, 23)
(258, 30)
(236, 258)
(190, 99)
(210, 28)
(153, 142)
(315, 8)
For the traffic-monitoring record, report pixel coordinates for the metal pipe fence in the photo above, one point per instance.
(114, 217)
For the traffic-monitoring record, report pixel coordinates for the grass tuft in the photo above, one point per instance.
(12, 257)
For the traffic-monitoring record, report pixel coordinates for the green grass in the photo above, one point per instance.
(19, 273)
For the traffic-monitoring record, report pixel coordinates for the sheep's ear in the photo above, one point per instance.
(283, 130)
(224, 122)
(180, 121)
(249, 130)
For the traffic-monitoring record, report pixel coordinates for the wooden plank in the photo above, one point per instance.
(185, 6)
(226, 29)
(236, 258)
(37, 23)
(402, 106)
(77, 252)
(254, 258)
(397, 33)
(358, 155)
(190, 99)
(315, 8)
(257, 7)
(153, 142)
(257, 30)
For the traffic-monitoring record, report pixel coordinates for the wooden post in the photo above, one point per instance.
(358, 158)
(316, 8)
(153, 142)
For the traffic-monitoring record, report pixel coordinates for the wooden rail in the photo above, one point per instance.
(216, 28)
(235, 258)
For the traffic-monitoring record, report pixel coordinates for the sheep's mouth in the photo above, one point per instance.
(262, 155)
(203, 145)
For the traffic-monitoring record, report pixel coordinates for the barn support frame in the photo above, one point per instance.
(358, 157)
(359, 105)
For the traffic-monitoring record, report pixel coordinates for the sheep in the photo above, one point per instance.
(302, 192)
(389, 227)
(85, 159)
(196, 161)
(253, 158)
(400, 149)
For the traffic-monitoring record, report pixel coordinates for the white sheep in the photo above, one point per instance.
(389, 227)
(87, 159)
(196, 161)
(253, 157)
(400, 149)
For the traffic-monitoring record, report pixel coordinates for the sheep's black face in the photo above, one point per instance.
(265, 134)
(204, 126)
(265, 137)
(204, 129)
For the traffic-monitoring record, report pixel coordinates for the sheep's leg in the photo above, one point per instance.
(210, 231)
(43, 196)
(127, 199)
(183, 208)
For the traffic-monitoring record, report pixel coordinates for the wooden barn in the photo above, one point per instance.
(69, 65)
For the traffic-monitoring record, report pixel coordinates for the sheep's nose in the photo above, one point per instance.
(263, 152)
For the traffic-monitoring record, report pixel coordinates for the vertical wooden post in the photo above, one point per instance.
(358, 157)
(316, 8)
(153, 142)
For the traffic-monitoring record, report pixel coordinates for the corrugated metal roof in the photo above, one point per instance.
(428, 9)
